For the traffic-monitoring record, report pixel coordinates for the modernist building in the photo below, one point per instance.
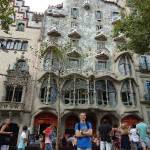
(96, 78)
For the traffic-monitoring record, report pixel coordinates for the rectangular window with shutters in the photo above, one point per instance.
(144, 63)
(98, 15)
(74, 13)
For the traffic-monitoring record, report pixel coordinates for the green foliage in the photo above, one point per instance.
(136, 27)
(6, 13)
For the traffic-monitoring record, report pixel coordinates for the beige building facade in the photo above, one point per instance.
(95, 77)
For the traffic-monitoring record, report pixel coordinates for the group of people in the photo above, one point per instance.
(136, 137)
(124, 137)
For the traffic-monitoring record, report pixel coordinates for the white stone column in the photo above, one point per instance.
(23, 94)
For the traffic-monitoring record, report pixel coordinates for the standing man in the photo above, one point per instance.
(143, 131)
(5, 135)
(83, 133)
(105, 135)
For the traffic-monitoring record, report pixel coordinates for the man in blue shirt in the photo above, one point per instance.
(83, 132)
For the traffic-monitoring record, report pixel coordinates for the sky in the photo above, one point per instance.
(41, 5)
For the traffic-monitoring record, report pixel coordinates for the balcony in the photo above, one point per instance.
(54, 32)
(86, 4)
(74, 33)
(120, 38)
(11, 106)
(115, 19)
(101, 36)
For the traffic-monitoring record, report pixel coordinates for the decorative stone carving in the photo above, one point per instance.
(120, 38)
(13, 106)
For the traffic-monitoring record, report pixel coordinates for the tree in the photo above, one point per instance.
(60, 52)
(6, 14)
(136, 27)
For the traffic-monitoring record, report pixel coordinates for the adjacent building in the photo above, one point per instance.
(95, 77)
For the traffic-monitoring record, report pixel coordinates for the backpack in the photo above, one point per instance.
(87, 125)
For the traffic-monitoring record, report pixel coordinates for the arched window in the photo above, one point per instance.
(18, 45)
(20, 27)
(24, 45)
(75, 92)
(2, 44)
(105, 93)
(128, 93)
(124, 65)
(21, 65)
(49, 91)
(10, 44)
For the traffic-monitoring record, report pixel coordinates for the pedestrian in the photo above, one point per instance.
(143, 131)
(83, 133)
(23, 139)
(105, 135)
(116, 137)
(134, 138)
(5, 135)
(48, 140)
(125, 141)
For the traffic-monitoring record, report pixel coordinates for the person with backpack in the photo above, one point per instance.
(5, 135)
(83, 133)
(48, 137)
(105, 135)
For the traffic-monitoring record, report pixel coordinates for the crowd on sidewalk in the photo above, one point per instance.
(122, 137)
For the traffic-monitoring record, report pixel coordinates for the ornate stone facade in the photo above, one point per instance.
(94, 77)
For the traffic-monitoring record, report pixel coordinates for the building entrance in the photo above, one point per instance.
(43, 120)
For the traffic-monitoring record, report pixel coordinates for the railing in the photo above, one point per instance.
(14, 106)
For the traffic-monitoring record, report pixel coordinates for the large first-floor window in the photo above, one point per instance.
(49, 90)
(13, 93)
(105, 93)
(128, 93)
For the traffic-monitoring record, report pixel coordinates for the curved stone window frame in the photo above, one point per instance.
(17, 45)
(106, 93)
(48, 91)
(20, 26)
(125, 66)
(128, 93)
(75, 92)
(9, 44)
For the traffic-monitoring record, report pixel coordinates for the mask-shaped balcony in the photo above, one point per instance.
(115, 19)
(103, 54)
(120, 38)
(86, 4)
(74, 53)
(56, 11)
(54, 32)
(100, 36)
(74, 34)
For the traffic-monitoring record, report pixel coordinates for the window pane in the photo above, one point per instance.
(9, 93)
(74, 12)
(98, 15)
(24, 45)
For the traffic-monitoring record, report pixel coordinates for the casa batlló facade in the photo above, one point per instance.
(96, 77)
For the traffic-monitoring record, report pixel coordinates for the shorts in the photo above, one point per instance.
(146, 143)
